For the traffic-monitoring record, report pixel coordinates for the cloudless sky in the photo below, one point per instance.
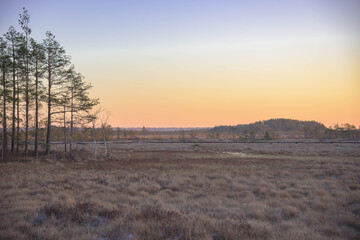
(203, 63)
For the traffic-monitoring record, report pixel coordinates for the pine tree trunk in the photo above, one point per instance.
(105, 143)
(26, 98)
(4, 137)
(49, 113)
(17, 115)
(36, 109)
(14, 101)
(94, 137)
(65, 143)
(26, 112)
(106, 149)
(71, 121)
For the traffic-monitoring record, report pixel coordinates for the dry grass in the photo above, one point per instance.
(192, 192)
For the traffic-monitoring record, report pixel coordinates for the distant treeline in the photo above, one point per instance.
(273, 129)
(287, 128)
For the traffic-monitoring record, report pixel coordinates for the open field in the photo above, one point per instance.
(185, 191)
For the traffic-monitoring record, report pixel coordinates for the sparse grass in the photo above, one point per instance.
(192, 192)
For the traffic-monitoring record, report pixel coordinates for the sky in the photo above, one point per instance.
(197, 63)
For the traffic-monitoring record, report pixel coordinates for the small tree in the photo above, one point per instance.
(233, 131)
(144, 131)
(93, 118)
(252, 133)
(80, 102)
(193, 135)
(267, 136)
(105, 129)
(118, 133)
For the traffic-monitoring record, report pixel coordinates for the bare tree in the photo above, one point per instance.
(104, 127)
(94, 117)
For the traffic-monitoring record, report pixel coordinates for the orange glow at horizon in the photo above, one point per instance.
(204, 90)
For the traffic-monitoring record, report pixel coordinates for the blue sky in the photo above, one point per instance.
(165, 50)
(157, 23)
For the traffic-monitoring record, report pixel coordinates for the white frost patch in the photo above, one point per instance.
(236, 154)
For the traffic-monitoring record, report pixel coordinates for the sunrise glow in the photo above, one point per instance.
(207, 63)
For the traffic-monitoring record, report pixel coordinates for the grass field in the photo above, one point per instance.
(185, 191)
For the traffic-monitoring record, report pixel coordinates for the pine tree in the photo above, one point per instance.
(55, 63)
(80, 102)
(13, 37)
(23, 64)
(5, 65)
(24, 23)
(37, 64)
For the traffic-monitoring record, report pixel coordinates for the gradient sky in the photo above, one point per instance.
(197, 63)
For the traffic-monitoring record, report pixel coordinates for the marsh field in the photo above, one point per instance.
(185, 191)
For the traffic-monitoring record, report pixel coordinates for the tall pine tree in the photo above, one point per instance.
(55, 63)
(5, 65)
(24, 23)
(13, 37)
